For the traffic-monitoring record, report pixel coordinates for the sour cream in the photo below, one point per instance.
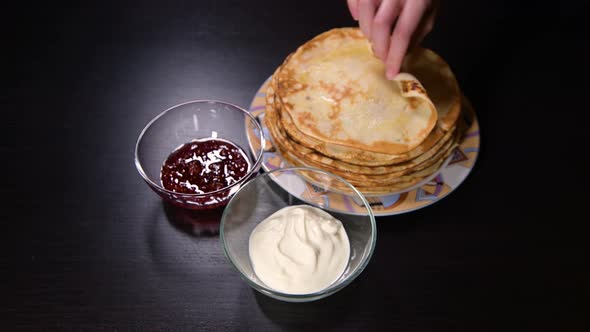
(299, 250)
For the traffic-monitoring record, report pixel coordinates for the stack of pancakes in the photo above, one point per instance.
(330, 106)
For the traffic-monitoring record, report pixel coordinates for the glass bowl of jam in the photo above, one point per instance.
(196, 155)
(296, 240)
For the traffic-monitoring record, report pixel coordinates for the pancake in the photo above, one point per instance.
(371, 190)
(379, 184)
(353, 156)
(319, 160)
(378, 187)
(335, 91)
(418, 169)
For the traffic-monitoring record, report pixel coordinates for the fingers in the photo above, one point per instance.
(367, 10)
(381, 28)
(405, 27)
(376, 18)
(353, 8)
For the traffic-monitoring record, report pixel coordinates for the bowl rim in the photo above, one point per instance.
(255, 167)
(334, 287)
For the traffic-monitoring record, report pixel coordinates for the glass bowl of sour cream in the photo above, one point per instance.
(296, 240)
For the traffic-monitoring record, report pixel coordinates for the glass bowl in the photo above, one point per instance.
(189, 121)
(269, 192)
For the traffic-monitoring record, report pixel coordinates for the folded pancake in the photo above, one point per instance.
(440, 83)
(334, 90)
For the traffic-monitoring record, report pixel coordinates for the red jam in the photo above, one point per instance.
(204, 166)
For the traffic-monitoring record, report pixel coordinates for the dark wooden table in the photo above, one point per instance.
(88, 247)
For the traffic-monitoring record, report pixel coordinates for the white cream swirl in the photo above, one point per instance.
(299, 250)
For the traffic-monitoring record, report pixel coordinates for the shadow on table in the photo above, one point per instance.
(182, 245)
(196, 223)
(286, 314)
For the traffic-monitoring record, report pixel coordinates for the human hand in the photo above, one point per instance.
(394, 26)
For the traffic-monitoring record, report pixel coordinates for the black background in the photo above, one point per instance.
(87, 246)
